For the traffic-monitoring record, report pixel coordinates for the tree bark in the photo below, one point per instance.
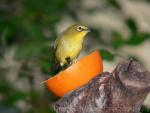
(122, 91)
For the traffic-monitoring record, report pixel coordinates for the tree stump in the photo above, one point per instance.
(122, 91)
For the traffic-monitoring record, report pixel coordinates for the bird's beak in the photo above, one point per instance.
(88, 30)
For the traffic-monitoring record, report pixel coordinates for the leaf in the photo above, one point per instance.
(14, 97)
(144, 110)
(4, 88)
(46, 6)
(31, 30)
(131, 25)
(106, 55)
(45, 65)
(12, 29)
(46, 109)
(145, 35)
(24, 72)
(33, 94)
(117, 41)
(135, 40)
(114, 3)
(52, 110)
(30, 49)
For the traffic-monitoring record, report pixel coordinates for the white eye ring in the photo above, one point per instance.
(79, 28)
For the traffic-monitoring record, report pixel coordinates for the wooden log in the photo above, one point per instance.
(122, 91)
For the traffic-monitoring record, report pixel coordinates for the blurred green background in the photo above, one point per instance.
(28, 28)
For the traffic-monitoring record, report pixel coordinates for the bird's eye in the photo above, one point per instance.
(79, 28)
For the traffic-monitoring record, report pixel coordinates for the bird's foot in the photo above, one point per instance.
(68, 59)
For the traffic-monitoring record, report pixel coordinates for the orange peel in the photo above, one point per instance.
(77, 75)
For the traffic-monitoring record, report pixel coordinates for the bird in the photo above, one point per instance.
(68, 44)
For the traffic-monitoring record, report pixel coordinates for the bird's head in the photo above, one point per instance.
(77, 30)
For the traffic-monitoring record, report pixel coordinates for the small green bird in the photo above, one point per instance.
(69, 44)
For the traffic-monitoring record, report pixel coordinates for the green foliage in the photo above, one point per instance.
(106, 55)
(11, 95)
(30, 26)
(114, 3)
(30, 49)
(45, 66)
(136, 39)
(14, 97)
(131, 25)
(4, 88)
(52, 111)
(117, 41)
(144, 110)
(32, 94)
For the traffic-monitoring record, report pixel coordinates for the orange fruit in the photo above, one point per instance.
(76, 75)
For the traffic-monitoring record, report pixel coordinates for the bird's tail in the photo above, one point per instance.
(55, 68)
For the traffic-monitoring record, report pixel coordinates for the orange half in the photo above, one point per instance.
(76, 75)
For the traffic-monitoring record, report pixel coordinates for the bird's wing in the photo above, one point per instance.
(56, 43)
(54, 61)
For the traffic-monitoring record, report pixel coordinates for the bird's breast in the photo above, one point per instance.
(68, 48)
(72, 47)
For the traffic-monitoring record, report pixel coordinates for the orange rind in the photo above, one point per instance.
(77, 75)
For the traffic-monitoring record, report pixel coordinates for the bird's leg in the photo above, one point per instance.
(68, 59)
